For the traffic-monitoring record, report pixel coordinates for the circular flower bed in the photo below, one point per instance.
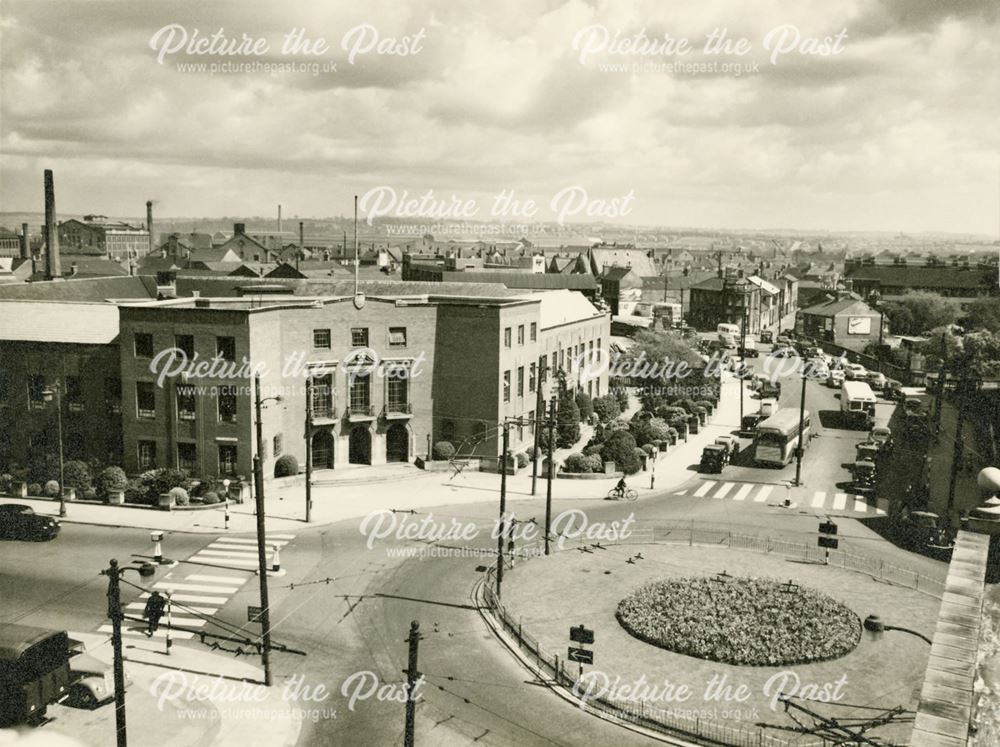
(760, 622)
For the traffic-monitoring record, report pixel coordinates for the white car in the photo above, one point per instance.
(817, 370)
(855, 372)
(836, 378)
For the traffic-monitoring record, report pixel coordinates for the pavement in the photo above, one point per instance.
(354, 492)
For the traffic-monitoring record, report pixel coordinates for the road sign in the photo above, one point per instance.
(827, 527)
(581, 655)
(830, 543)
(253, 614)
(580, 634)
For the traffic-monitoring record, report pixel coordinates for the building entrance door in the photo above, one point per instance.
(360, 445)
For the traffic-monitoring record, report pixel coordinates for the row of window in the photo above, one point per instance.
(322, 339)
(508, 333)
(225, 347)
(40, 392)
(187, 456)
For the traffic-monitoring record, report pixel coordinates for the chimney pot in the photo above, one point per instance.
(239, 229)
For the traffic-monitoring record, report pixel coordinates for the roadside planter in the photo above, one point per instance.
(166, 501)
(69, 494)
(693, 424)
(116, 498)
(20, 490)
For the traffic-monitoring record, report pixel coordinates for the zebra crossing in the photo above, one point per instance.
(760, 493)
(202, 591)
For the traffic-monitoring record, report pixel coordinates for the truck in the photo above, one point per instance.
(857, 405)
(768, 407)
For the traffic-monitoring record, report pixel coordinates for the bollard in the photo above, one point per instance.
(276, 560)
(156, 537)
(169, 642)
(227, 512)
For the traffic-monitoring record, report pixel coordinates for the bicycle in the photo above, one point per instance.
(617, 495)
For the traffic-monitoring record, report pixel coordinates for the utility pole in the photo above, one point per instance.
(502, 533)
(959, 448)
(258, 471)
(115, 613)
(309, 450)
(412, 677)
(801, 446)
(940, 387)
(551, 426)
(539, 407)
(743, 358)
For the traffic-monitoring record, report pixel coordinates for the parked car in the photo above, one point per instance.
(817, 369)
(713, 459)
(836, 378)
(784, 341)
(894, 390)
(867, 451)
(864, 476)
(785, 351)
(767, 337)
(731, 444)
(750, 349)
(94, 683)
(883, 437)
(921, 530)
(20, 522)
(855, 372)
(748, 426)
(876, 380)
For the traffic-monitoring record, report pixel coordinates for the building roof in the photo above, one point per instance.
(92, 267)
(49, 321)
(925, 277)
(215, 286)
(764, 285)
(839, 306)
(215, 254)
(562, 307)
(637, 259)
(83, 290)
(713, 283)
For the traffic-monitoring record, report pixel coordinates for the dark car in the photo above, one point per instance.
(864, 476)
(767, 336)
(748, 426)
(713, 458)
(20, 522)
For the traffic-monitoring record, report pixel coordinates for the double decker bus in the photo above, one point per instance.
(34, 672)
(778, 436)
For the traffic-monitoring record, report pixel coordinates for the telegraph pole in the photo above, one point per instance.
(539, 407)
(743, 358)
(412, 677)
(959, 448)
(551, 426)
(265, 614)
(940, 388)
(801, 445)
(309, 440)
(115, 613)
(502, 533)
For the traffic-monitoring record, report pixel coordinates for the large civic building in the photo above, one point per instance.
(391, 370)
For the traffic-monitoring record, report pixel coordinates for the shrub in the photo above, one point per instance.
(578, 463)
(34, 489)
(593, 449)
(649, 430)
(606, 408)
(159, 481)
(52, 488)
(620, 449)
(585, 404)
(648, 449)
(210, 498)
(618, 424)
(6, 482)
(76, 474)
(596, 463)
(444, 450)
(622, 396)
(112, 478)
(90, 494)
(522, 459)
(286, 466)
(568, 427)
(180, 496)
(135, 492)
(640, 454)
(543, 441)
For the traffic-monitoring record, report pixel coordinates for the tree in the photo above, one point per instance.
(606, 408)
(620, 449)
(984, 314)
(926, 311)
(568, 427)
(585, 404)
(648, 430)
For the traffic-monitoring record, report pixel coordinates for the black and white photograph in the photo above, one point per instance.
(539, 373)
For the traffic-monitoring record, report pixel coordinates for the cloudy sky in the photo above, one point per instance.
(894, 128)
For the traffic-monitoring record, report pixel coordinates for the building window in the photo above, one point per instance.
(520, 334)
(531, 378)
(113, 394)
(506, 386)
(185, 343)
(185, 402)
(36, 385)
(397, 337)
(187, 457)
(74, 394)
(145, 399)
(321, 339)
(397, 394)
(359, 337)
(322, 396)
(360, 394)
(534, 331)
(506, 337)
(276, 445)
(531, 422)
(143, 345)
(227, 404)
(554, 362)
(520, 381)
(146, 455)
(227, 459)
(225, 348)
(447, 430)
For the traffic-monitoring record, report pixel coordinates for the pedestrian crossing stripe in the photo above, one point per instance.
(171, 586)
(224, 580)
(743, 492)
(765, 491)
(187, 608)
(818, 499)
(273, 539)
(700, 492)
(839, 502)
(846, 502)
(181, 635)
(193, 598)
(721, 492)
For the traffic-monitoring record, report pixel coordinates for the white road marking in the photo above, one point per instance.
(181, 635)
(743, 492)
(839, 501)
(196, 587)
(724, 490)
(765, 491)
(819, 498)
(270, 540)
(704, 488)
(860, 505)
(226, 580)
(194, 598)
(187, 608)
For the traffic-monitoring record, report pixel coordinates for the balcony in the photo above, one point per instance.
(397, 411)
(323, 414)
(357, 413)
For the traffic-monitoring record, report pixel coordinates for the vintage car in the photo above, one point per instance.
(922, 530)
(748, 426)
(94, 683)
(894, 390)
(883, 437)
(836, 378)
(713, 458)
(876, 380)
(20, 522)
(731, 444)
(867, 451)
(855, 372)
(864, 476)
(767, 337)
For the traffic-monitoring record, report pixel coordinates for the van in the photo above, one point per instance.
(729, 329)
(727, 340)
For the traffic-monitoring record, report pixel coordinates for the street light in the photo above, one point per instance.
(47, 394)
(225, 487)
(875, 298)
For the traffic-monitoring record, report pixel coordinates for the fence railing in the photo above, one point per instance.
(662, 721)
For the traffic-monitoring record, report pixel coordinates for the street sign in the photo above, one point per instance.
(253, 614)
(580, 634)
(581, 655)
(827, 527)
(830, 543)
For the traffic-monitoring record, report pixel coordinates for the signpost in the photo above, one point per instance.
(582, 636)
(581, 655)
(827, 539)
(253, 614)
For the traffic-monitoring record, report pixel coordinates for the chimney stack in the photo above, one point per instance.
(302, 245)
(239, 229)
(149, 223)
(52, 270)
(279, 218)
(25, 242)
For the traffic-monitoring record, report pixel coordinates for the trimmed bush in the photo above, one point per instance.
(622, 396)
(649, 430)
(593, 449)
(568, 426)
(606, 408)
(648, 449)
(620, 448)
(52, 488)
(76, 474)
(6, 482)
(522, 459)
(444, 450)
(180, 496)
(596, 463)
(111, 479)
(578, 463)
(35, 489)
(640, 454)
(585, 404)
(286, 466)
(210, 498)
(90, 494)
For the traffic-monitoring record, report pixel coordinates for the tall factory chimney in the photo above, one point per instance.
(279, 218)
(302, 245)
(25, 242)
(52, 269)
(149, 224)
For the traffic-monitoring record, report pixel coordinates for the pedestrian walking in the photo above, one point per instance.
(155, 606)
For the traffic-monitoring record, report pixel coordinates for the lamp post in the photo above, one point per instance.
(800, 447)
(875, 298)
(47, 394)
(225, 487)
(258, 471)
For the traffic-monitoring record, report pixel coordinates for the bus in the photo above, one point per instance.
(34, 672)
(778, 436)
(857, 405)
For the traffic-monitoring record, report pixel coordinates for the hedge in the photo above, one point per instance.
(286, 466)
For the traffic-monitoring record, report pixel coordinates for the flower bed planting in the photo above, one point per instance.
(752, 621)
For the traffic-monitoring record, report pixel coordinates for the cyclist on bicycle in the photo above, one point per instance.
(620, 488)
